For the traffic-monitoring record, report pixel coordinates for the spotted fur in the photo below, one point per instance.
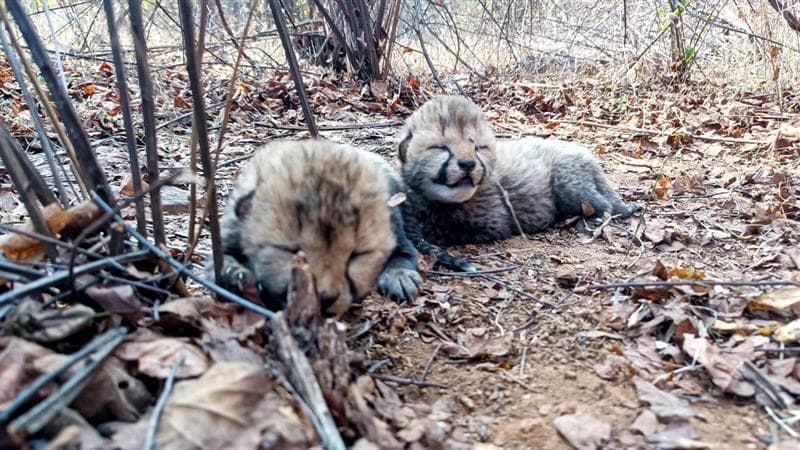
(455, 168)
(331, 202)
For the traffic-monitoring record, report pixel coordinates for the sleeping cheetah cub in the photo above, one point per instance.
(458, 176)
(332, 202)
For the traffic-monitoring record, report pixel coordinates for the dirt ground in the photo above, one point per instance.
(525, 355)
(577, 356)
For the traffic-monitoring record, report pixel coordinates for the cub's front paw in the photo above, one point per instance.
(399, 284)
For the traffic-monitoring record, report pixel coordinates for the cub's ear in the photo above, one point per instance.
(244, 204)
(403, 147)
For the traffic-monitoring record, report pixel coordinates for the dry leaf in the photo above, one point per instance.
(781, 300)
(721, 367)
(476, 344)
(583, 431)
(155, 358)
(663, 404)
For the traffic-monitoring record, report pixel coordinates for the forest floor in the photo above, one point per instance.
(528, 356)
(723, 207)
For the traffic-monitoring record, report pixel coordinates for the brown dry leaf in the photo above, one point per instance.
(663, 404)
(119, 299)
(477, 344)
(679, 435)
(645, 423)
(213, 409)
(660, 271)
(16, 365)
(583, 431)
(662, 188)
(785, 136)
(111, 393)
(788, 333)
(721, 367)
(127, 186)
(781, 300)
(17, 247)
(156, 357)
(687, 273)
(50, 325)
(75, 437)
(232, 405)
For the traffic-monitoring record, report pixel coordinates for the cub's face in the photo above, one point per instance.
(448, 149)
(332, 208)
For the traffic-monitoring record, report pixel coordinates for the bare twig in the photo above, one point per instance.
(193, 67)
(674, 283)
(219, 291)
(430, 363)
(32, 389)
(294, 67)
(195, 235)
(302, 378)
(57, 277)
(403, 380)
(38, 416)
(477, 273)
(19, 74)
(155, 416)
(663, 133)
(124, 102)
(45, 99)
(96, 178)
(148, 116)
(19, 176)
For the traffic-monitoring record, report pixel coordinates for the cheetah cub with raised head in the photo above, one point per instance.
(458, 175)
(332, 202)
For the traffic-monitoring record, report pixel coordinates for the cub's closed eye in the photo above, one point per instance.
(286, 248)
(439, 147)
(481, 147)
(355, 255)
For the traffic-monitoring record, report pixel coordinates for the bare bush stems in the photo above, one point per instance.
(32, 389)
(96, 179)
(124, 102)
(790, 18)
(294, 67)
(148, 116)
(194, 236)
(164, 256)
(16, 68)
(201, 129)
(26, 186)
(38, 416)
(45, 100)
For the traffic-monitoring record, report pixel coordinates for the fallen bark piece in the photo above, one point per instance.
(582, 431)
(663, 404)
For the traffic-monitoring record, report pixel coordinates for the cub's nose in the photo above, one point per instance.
(466, 164)
(326, 299)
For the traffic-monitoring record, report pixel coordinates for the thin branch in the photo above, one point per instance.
(673, 283)
(148, 116)
(32, 389)
(194, 70)
(294, 67)
(38, 416)
(124, 102)
(214, 288)
(19, 74)
(155, 416)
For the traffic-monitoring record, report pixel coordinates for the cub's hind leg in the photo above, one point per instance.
(618, 207)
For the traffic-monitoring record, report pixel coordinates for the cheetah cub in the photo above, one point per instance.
(458, 177)
(332, 202)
